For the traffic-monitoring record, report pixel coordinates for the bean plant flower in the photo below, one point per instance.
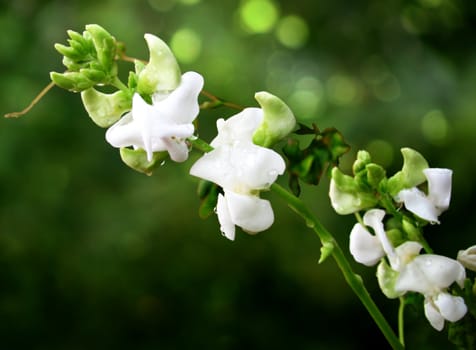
(427, 274)
(429, 206)
(242, 169)
(165, 124)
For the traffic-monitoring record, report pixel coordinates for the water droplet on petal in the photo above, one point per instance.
(215, 210)
(162, 163)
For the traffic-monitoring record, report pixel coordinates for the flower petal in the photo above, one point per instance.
(439, 187)
(227, 227)
(365, 247)
(467, 258)
(373, 218)
(429, 272)
(417, 202)
(181, 105)
(451, 307)
(124, 133)
(239, 127)
(251, 213)
(433, 315)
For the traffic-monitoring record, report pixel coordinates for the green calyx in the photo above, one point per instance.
(89, 59)
(137, 159)
(106, 109)
(278, 120)
(162, 72)
(411, 174)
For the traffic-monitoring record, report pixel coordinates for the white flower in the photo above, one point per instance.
(242, 169)
(468, 258)
(164, 125)
(431, 275)
(366, 248)
(429, 206)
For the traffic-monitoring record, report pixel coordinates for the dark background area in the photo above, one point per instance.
(96, 256)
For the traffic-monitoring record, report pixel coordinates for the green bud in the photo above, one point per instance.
(137, 159)
(72, 81)
(362, 159)
(387, 277)
(411, 174)
(162, 73)
(278, 120)
(93, 74)
(68, 51)
(375, 174)
(413, 233)
(106, 109)
(105, 45)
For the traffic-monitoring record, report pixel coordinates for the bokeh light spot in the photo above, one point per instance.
(162, 5)
(292, 31)
(434, 127)
(259, 16)
(189, 2)
(307, 98)
(381, 152)
(186, 44)
(341, 89)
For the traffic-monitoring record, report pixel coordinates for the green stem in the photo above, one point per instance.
(119, 84)
(401, 310)
(354, 280)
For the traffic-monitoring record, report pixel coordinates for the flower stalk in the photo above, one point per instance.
(352, 279)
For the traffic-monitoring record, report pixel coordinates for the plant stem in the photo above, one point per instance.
(354, 280)
(32, 103)
(401, 310)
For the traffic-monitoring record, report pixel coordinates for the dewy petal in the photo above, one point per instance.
(239, 127)
(429, 273)
(439, 187)
(227, 227)
(365, 247)
(433, 315)
(251, 213)
(451, 307)
(181, 105)
(417, 202)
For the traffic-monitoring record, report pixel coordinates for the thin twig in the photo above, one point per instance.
(32, 103)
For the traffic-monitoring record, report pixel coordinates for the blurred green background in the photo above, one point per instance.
(96, 256)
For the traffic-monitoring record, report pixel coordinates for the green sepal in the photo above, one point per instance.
(412, 232)
(326, 250)
(387, 278)
(106, 109)
(208, 194)
(162, 73)
(411, 174)
(278, 120)
(137, 159)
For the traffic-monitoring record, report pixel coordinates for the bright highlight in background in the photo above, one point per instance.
(186, 45)
(292, 31)
(434, 127)
(259, 16)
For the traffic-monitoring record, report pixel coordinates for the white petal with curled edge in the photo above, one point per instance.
(439, 187)
(433, 315)
(417, 202)
(451, 307)
(178, 150)
(365, 247)
(428, 272)
(251, 213)
(181, 105)
(373, 218)
(227, 227)
(239, 127)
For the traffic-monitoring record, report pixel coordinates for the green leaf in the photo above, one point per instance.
(208, 193)
(308, 164)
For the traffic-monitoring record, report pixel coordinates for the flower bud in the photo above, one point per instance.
(278, 120)
(162, 73)
(467, 258)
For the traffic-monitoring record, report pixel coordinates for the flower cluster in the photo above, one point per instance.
(391, 237)
(153, 118)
